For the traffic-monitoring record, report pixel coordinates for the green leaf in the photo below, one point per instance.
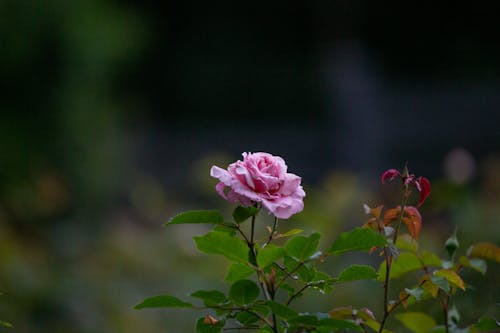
(302, 247)
(487, 324)
(244, 292)
(441, 282)
(162, 301)
(359, 239)
(197, 216)
(405, 263)
(240, 213)
(407, 243)
(430, 259)
(6, 324)
(246, 318)
(281, 310)
(210, 297)
(358, 272)
(238, 271)
(304, 319)
(451, 276)
(416, 321)
(289, 233)
(204, 326)
(269, 254)
(217, 242)
(339, 324)
(474, 263)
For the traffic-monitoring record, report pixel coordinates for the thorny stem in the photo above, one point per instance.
(264, 285)
(388, 259)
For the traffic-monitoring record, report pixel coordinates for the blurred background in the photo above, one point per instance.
(112, 113)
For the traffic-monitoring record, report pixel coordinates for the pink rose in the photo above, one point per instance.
(261, 177)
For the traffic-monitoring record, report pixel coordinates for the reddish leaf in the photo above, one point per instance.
(391, 215)
(424, 186)
(413, 221)
(390, 174)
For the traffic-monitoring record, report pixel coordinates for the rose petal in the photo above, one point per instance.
(221, 174)
(390, 174)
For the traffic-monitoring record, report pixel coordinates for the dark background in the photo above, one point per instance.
(113, 112)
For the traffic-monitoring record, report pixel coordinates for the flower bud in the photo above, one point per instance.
(451, 245)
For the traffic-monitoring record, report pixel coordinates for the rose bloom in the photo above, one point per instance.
(261, 178)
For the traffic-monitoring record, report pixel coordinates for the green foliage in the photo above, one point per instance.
(302, 247)
(269, 254)
(358, 272)
(238, 271)
(210, 298)
(241, 214)
(163, 301)
(243, 292)
(487, 324)
(359, 239)
(281, 310)
(417, 322)
(217, 242)
(405, 263)
(197, 216)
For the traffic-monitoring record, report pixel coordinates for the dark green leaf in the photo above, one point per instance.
(238, 271)
(246, 318)
(359, 239)
(240, 213)
(269, 254)
(358, 272)
(487, 324)
(417, 322)
(204, 326)
(339, 324)
(406, 262)
(197, 216)
(244, 292)
(210, 297)
(281, 310)
(217, 242)
(162, 301)
(304, 320)
(302, 247)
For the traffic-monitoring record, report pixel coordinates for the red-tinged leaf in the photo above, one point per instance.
(425, 189)
(375, 212)
(390, 174)
(484, 250)
(413, 221)
(391, 215)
